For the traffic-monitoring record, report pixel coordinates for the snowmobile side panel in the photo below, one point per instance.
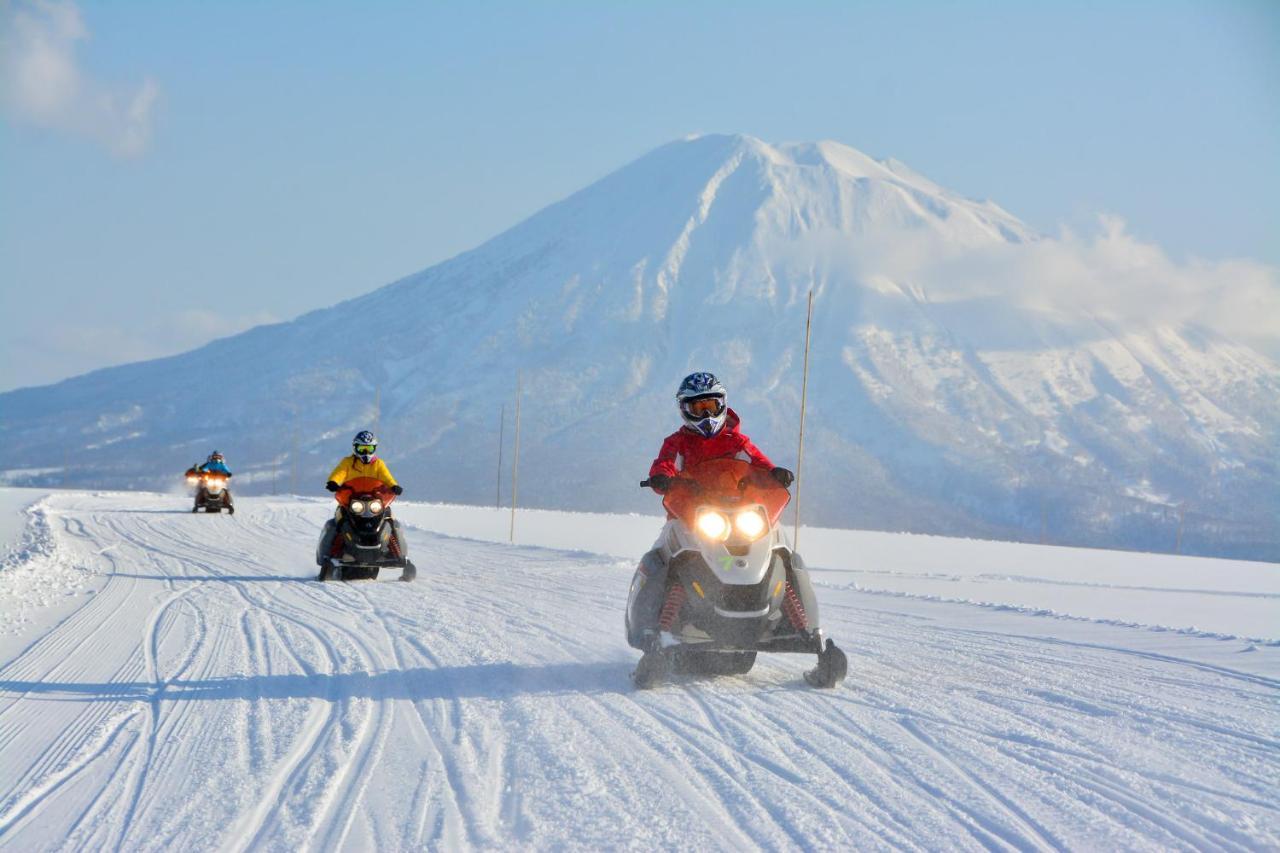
(326, 542)
(644, 601)
(798, 576)
(401, 541)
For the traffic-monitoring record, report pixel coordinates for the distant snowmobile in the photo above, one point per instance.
(212, 493)
(722, 582)
(362, 537)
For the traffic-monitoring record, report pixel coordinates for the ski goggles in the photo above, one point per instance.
(704, 407)
(365, 449)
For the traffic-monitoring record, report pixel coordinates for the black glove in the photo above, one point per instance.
(332, 486)
(397, 489)
(783, 476)
(660, 482)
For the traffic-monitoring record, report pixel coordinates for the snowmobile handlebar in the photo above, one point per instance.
(724, 482)
(692, 484)
(383, 491)
(364, 486)
(675, 481)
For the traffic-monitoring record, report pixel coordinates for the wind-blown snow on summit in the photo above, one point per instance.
(967, 375)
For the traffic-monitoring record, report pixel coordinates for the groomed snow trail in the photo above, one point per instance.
(201, 692)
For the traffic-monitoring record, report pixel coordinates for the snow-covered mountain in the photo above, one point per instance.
(955, 386)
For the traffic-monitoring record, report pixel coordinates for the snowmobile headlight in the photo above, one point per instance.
(375, 506)
(357, 507)
(713, 525)
(750, 523)
(191, 481)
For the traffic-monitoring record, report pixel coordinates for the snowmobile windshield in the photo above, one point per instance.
(726, 483)
(364, 488)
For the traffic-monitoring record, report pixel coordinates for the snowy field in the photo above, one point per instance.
(1231, 598)
(13, 517)
(170, 681)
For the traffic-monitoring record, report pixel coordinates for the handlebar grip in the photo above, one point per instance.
(645, 484)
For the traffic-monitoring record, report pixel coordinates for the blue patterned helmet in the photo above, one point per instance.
(364, 445)
(702, 403)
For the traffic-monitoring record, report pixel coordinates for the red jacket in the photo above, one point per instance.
(686, 447)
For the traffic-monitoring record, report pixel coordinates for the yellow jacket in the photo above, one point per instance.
(351, 467)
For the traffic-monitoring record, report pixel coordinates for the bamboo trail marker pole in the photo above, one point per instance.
(515, 464)
(502, 428)
(804, 399)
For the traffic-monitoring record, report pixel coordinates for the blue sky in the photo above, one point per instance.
(223, 164)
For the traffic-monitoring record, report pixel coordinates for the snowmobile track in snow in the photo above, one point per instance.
(198, 690)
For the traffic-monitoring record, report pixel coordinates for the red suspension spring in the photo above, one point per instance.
(671, 607)
(393, 545)
(794, 609)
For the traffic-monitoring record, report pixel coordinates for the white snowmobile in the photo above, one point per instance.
(722, 583)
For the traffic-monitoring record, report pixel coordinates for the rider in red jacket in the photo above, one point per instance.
(710, 431)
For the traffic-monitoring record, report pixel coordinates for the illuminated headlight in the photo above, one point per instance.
(375, 506)
(750, 523)
(191, 481)
(357, 507)
(214, 485)
(713, 525)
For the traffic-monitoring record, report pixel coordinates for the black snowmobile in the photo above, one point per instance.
(362, 538)
(212, 493)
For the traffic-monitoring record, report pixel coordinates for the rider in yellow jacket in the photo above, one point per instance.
(362, 463)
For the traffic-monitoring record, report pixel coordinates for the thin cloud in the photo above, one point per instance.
(42, 82)
(1110, 275)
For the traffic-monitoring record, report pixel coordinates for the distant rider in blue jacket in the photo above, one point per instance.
(215, 464)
